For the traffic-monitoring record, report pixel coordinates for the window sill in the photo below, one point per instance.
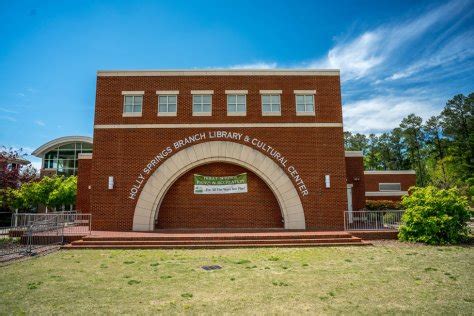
(271, 113)
(236, 113)
(132, 114)
(202, 113)
(305, 114)
(166, 114)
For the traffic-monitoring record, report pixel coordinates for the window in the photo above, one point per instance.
(167, 105)
(305, 104)
(271, 105)
(202, 104)
(64, 157)
(390, 187)
(132, 104)
(236, 104)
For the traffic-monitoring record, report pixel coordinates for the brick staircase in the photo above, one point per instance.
(217, 239)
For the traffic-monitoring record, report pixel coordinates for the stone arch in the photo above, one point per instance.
(156, 187)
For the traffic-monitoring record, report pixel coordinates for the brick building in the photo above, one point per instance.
(155, 131)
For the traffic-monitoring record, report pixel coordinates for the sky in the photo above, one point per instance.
(395, 57)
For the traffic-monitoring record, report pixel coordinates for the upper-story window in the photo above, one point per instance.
(167, 103)
(236, 102)
(304, 102)
(271, 102)
(132, 103)
(202, 102)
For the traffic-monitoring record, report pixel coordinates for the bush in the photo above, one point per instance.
(434, 216)
(381, 205)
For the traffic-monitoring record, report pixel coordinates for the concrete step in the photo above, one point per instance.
(216, 246)
(221, 236)
(216, 241)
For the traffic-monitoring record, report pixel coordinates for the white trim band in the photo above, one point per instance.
(133, 92)
(220, 72)
(236, 91)
(353, 153)
(164, 92)
(304, 91)
(84, 156)
(202, 91)
(386, 193)
(377, 172)
(271, 91)
(215, 125)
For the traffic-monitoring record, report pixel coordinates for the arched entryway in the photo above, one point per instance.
(156, 187)
(257, 208)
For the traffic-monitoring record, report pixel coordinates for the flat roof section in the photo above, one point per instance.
(219, 72)
(376, 172)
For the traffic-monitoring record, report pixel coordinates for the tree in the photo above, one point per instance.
(51, 192)
(13, 173)
(437, 146)
(412, 132)
(372, 158)
(64, 193)
(458, 125)
(398, 149)
(356, 142)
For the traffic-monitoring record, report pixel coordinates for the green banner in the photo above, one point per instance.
(220, 185)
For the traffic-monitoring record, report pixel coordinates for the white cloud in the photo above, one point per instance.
(371, 50)
(381, 113)
(7, 118)
(8, 111)
(454, 51)
(257, 65)
(40, 123)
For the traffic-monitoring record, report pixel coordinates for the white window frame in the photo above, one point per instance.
(270, 93)
(132, 94)
(236, 93)
(202, 93)
(305, 94)
(167, 94)
(382, 183)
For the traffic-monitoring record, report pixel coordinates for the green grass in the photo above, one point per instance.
(388, 278)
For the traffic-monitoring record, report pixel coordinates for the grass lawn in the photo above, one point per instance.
(388, 278)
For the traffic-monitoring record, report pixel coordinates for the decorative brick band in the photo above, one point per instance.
(155, 189)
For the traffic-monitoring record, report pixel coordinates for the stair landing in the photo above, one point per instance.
(173, 239)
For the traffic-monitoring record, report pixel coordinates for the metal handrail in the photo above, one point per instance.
(373, 220)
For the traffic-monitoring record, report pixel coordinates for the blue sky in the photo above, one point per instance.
(396, 57)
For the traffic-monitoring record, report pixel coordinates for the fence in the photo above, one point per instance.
(373, 220)
(29, 232)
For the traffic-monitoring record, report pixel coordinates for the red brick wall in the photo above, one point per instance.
(372, 184)
(256, 209)
(83, 182)
(109, 98)
(372, 181)
(355, 176)
(123, 153)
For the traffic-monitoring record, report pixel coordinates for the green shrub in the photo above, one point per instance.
(380, 205)
(434, 216)
(389, 218)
